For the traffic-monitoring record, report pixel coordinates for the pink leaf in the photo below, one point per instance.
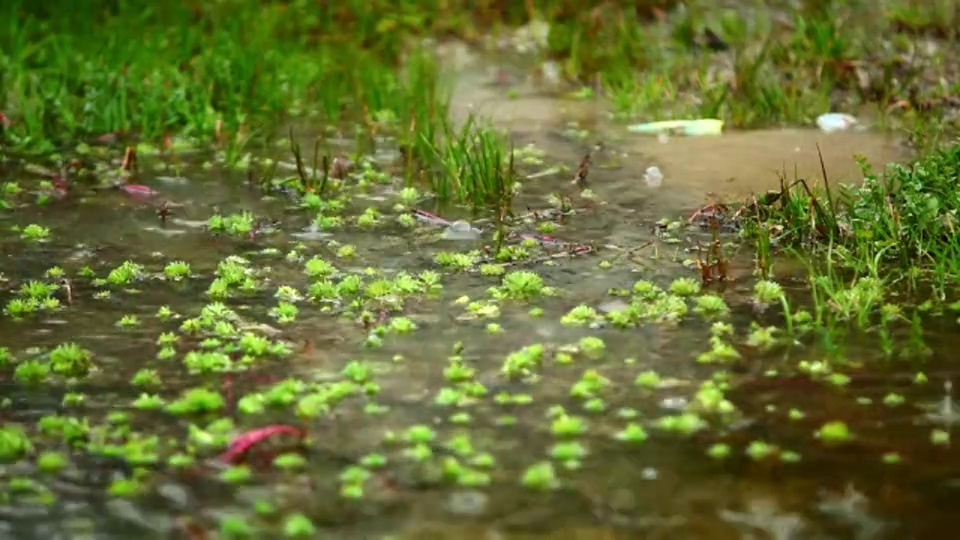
(138, 190)
(427, 217)
(244, 442)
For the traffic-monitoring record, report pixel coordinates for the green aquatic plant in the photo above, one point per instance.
(834, 432)
(14, 442)
(580, 316)
(633, 433)
(176, 270)
(540, 476)
(35, 233)
(71, 360)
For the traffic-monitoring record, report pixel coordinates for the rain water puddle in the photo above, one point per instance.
(475, 453)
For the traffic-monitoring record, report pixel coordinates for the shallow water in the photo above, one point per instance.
(665, 487)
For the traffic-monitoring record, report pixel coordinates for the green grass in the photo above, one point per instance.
(179, 69)
(233, 74)
(903, 217)
(175, 70)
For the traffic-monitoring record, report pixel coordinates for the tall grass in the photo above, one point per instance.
(175, 68)
(473, 165)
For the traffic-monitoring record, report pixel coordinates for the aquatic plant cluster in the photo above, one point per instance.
(257, 282)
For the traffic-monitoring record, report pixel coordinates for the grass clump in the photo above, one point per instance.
(225, 72)
(898, 224)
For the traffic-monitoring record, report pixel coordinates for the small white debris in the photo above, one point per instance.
(653, 177)
(831, 122)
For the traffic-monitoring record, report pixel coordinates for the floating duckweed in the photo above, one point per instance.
(318, 268)
(592, 346)
(402, 325)
(565, 426)
(633, 432)
(719, 451)
(232, 526)
(711, 305)
(523, 362)
(683, 286)
(71, 360)
(124, 487)
(940, 437)
(289, 461)
(176, 270)
(758, 450)
(838, 379)
(128, 321)
(541, 477)
(589, 384)
(570, 453)
(763, 338)
(522, 285)
(580, 316)
(149, 402)
(35, 233)
(196, 400)
(236, 474)
(720, 352)
(457, 261)
(419, 434)
(789, 456)
(648, 379)
(834, 432)
(14, 442)
(767, 292)
(893, 400)
(298, 526)
(31, 371)
(685, 423)
(492, 269)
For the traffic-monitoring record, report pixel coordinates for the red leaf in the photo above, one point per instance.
(427, 217)
(244, 442)
(139, 190)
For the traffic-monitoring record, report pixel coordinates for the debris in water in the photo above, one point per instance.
(653, 177)
(242, 445)
(138, 190)
(690, 128)
(461, 230)
(429, 218)
(832, 122)
(583, 170)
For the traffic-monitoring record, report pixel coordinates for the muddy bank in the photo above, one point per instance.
(518, 97)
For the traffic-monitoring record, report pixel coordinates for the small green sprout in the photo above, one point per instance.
(834, 432)
(35, 233)
(683, 287)
(522, 285)
(633, 432)
(298, 526)
(719, 451)
(540, 476)
(176, 270)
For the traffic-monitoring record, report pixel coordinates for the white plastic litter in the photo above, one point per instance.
(831, 122)
(653, 177)
(690, 128)
(461, 230)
